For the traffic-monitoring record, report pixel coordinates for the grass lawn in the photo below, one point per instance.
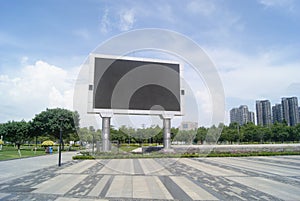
(9, 152)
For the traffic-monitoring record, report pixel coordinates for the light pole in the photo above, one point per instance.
(238, 130)
(2, 142)
(93, 143)
(60, 142)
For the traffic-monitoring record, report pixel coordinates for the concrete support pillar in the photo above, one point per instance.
(106, 134)
(167, 133)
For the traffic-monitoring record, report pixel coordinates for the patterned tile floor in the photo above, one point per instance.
(251, 178)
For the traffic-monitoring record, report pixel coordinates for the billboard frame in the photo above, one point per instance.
(108, 112)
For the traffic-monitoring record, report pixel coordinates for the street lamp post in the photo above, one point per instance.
(60, 142)
(93, 143)
(2, 142)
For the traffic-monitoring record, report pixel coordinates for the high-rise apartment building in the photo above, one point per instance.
(290, 110)
(251, 117)
(277, 113)
(263, 112)
(234, 115)
(241, 115)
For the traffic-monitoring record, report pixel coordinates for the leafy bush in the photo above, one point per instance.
(83, 157)
(228, 154)
(189, 155)
(85, 153)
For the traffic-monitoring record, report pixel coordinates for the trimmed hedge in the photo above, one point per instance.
(83, 157)
(176, 155)
(252, 154)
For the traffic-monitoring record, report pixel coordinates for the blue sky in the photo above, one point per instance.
(254, 45)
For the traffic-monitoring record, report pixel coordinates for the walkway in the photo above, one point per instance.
(19, 167)
(251, 178)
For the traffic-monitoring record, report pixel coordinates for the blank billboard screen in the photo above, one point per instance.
(128, 84)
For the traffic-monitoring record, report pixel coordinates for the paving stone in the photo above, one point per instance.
(160, 179)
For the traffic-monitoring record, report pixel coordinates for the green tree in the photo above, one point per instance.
(174, 132)
(230, 133)
(249, 131)
(213, 134)
(268, 134)
(72, 137)
(296, 131)
(201, 135)
(127, 134)
(118, 135)
(50, 121)
(98, 134)
(280, 132)
(85, 135)
(186, 136)
(159, 137)
(16, 132)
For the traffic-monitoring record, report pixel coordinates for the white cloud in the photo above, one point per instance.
(276, 3)
(127, 19)
(215, 22)
(104, 25)
(255, 76)
(24, 60)
(61, 99)
(205, 8)
(164, 12)
(281, 4)
(267, 74)
(33, 89)
(124, 20)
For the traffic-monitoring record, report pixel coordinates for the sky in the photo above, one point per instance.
(254, 45)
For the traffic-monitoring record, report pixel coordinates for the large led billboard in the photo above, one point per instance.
(129, 85)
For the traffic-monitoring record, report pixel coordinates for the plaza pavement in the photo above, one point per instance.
(251, 178)
(19, 167)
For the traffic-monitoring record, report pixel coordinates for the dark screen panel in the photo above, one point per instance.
(151, 95)
(109, 72)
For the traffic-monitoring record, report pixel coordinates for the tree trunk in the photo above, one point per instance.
(18, 145)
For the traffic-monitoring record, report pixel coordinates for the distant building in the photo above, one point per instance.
(241, 115)
(187, 125)
(263, 112)
(277, 113)
(234, 115)
(244, 113)
(251, 117)
(290, 110)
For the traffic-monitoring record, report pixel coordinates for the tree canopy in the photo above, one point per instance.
(50, 121)
(47, 124)
(16, 132)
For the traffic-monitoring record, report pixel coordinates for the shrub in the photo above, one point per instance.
(189, 155)
(83, 157)
(85, 153)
